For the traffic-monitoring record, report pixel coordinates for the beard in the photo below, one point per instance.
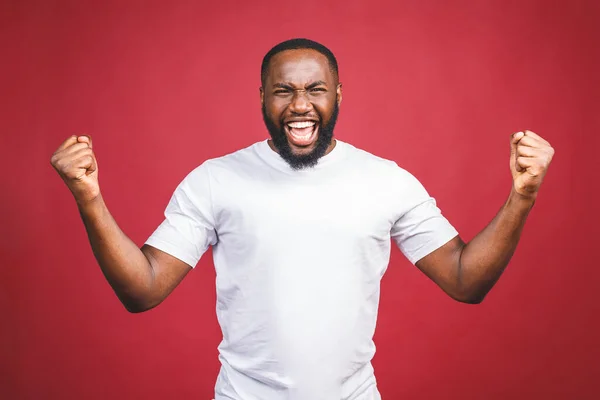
(301, 161)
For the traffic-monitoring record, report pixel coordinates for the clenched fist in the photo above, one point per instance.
(530, 156)
(75, 162)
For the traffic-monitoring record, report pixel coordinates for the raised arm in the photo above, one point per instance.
(141, 278)
(467, 272)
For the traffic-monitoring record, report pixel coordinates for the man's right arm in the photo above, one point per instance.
(141, 278)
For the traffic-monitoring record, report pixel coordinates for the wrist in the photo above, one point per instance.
(90, 206)
(519, 200)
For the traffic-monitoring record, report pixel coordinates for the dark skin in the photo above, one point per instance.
(300, 85)
(141, 278)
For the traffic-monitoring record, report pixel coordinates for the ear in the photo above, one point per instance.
(339, 93)
(262, 96)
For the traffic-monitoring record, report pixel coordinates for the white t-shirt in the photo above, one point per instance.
(299, 256)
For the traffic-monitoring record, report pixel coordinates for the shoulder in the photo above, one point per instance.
(237, 161)
(201, 183)
(378, 166)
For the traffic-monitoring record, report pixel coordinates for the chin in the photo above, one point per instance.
(302, 150)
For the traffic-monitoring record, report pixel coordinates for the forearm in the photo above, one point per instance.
(124, 265)
(485, 257)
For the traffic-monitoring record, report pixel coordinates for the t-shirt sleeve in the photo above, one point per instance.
(189, 226)
(422, 228)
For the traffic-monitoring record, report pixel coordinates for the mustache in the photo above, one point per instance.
(270, 122)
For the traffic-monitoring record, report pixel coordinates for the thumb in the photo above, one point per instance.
(514, 141)
(85, 139)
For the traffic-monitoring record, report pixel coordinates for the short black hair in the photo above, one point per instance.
(296, 44)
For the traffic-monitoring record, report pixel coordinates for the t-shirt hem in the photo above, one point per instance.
(432, 245)
(172, 250)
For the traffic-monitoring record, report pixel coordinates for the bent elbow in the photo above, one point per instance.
(136, 307)
(473, 300)
(470, 298)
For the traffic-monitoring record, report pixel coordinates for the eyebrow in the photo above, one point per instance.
(290, 87)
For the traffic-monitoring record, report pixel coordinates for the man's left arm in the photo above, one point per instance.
(467, 272)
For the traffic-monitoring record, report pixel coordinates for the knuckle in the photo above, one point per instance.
(66, 167)
(60, 165)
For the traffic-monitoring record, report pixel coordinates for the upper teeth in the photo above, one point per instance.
(301, 124)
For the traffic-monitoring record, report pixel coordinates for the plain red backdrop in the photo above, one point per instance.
(436, 86)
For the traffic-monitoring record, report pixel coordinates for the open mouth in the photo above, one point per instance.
(302, 133)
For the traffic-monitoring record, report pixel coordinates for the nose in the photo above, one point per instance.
(300, 103)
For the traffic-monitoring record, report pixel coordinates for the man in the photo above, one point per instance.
(301, 226)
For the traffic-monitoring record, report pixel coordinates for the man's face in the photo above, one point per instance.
(300, 100)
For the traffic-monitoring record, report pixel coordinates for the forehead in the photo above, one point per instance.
(299, 66)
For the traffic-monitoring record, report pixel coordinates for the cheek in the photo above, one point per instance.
(275, 110)
(325, 111)
(325, 106)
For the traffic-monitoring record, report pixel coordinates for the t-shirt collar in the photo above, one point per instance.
(274, 159)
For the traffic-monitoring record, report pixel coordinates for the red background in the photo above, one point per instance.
(436, 87)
